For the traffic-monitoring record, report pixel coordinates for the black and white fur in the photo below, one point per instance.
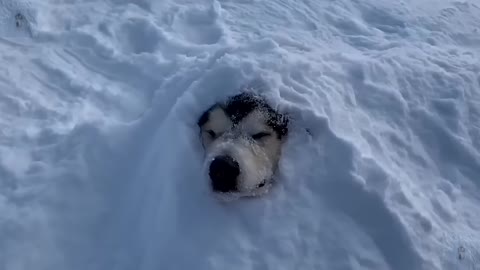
(243, 139)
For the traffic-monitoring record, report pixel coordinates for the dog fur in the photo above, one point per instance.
(243, 138)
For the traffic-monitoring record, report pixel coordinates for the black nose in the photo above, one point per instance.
(224, 171)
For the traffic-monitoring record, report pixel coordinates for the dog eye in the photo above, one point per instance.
(211, 133)
(260, 135)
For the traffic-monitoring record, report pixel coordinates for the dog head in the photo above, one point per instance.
(243, 138)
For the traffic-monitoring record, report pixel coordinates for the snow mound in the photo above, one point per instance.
(101, 164)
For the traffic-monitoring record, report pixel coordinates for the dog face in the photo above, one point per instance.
(243, 140)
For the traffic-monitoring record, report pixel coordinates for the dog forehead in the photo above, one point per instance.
(254, 121)
(239, 106)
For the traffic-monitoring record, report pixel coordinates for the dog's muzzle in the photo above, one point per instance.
(224, 172)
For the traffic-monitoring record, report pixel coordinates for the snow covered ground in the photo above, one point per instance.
(101, 166)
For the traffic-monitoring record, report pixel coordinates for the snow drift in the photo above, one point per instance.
(101, 166)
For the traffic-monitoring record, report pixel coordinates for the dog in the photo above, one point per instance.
(242, 139)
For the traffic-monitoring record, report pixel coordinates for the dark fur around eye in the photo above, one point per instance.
(211, 133)
(260, 135)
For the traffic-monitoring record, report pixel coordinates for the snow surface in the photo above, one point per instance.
(101, 166)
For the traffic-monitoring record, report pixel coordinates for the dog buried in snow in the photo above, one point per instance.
(243, 139)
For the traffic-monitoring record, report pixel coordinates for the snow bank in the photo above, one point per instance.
(101, 166)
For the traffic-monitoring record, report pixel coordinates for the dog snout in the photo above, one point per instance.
(224, 171)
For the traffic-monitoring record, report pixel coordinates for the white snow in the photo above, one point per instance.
(101, 164)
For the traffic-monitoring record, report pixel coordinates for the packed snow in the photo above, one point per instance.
(101, 165)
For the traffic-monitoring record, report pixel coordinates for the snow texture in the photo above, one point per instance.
(101, 166)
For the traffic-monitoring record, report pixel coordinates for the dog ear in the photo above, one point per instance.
(205, 116)
(279, 123)
(283, 123)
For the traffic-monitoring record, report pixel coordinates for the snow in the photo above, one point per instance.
(101, 165)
